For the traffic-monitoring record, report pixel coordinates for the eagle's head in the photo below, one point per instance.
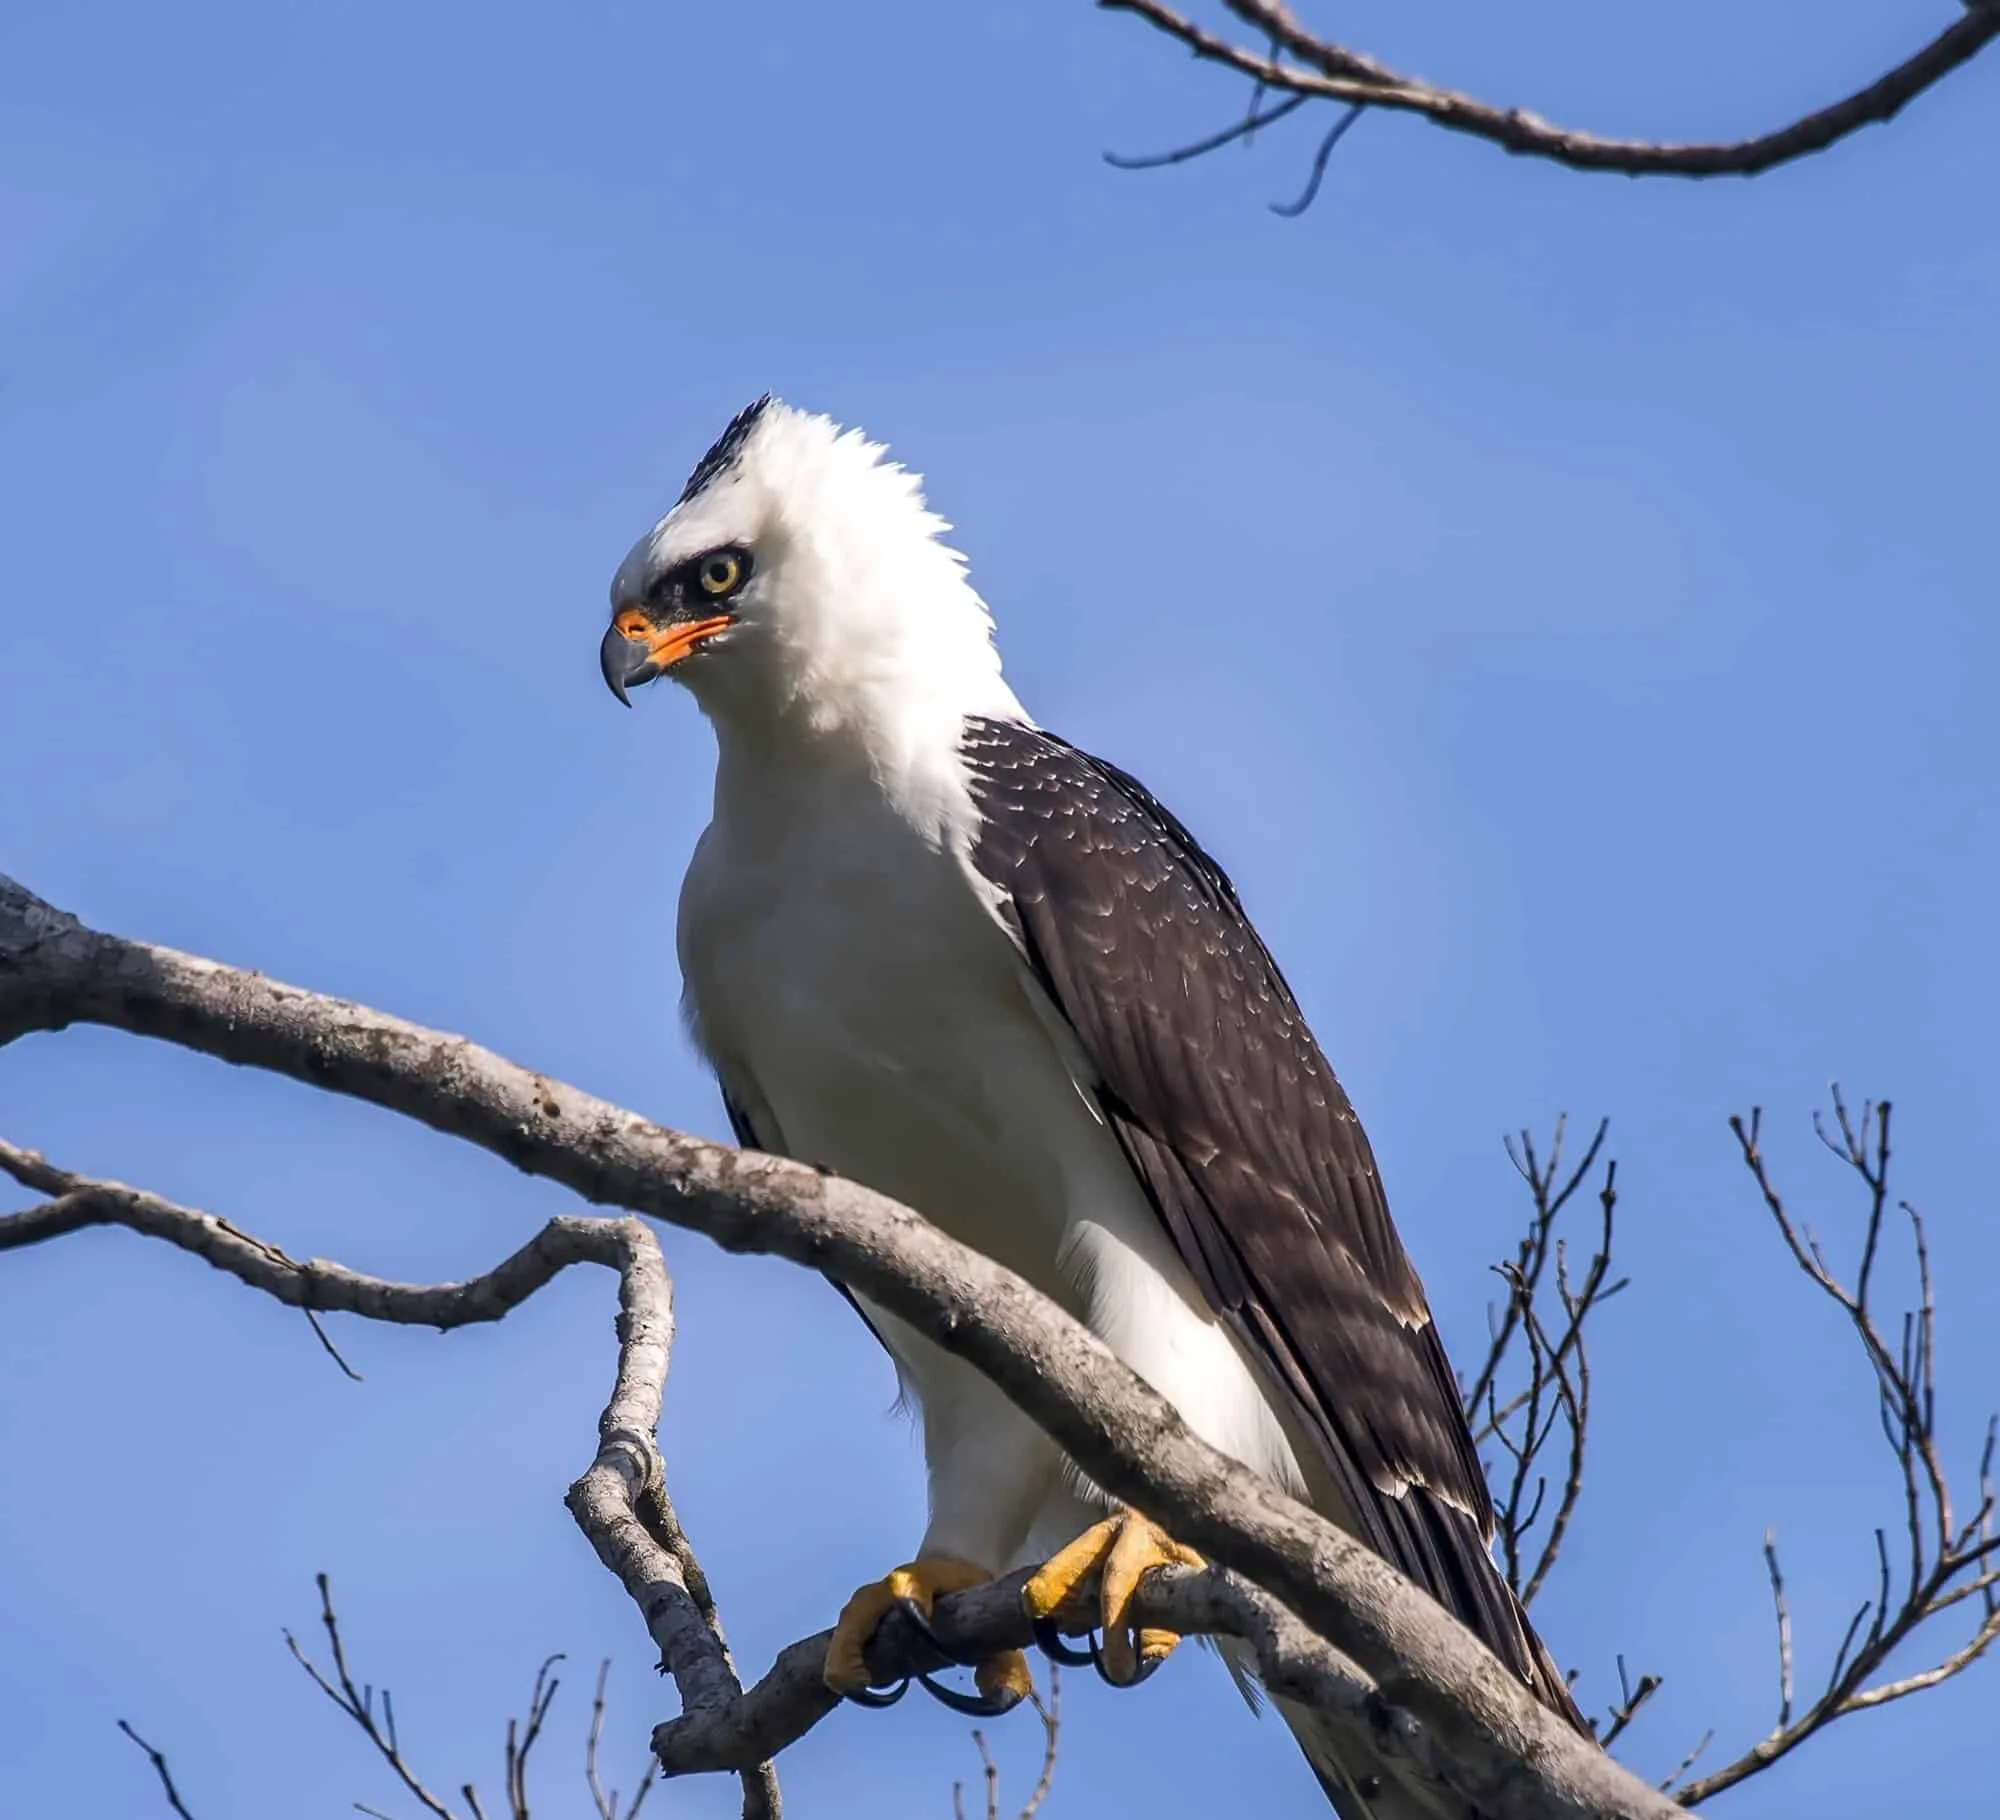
(800, 581)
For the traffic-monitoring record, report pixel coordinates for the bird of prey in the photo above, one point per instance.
(937, 949)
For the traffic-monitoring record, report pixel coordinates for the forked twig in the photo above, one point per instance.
(1947, 1563)
(620, 1502)
(1554, 1362)
(1050, 1714)
(359, 1704)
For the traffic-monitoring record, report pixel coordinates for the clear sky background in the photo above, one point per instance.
(1567, 605)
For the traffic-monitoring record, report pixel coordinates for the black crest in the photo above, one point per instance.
(726, 448)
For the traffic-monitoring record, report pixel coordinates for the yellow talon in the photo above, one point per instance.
(918, 1583)
(1119, 1552)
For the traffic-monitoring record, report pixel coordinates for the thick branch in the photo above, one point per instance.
(793, 1697)
(1506, 1752)
(1299, 63)
(622, 1506)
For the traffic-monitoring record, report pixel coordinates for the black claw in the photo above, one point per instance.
(973, 1706)
(1050, 1641)
(877, 1698)
(922, 1625)
(1148, 1667)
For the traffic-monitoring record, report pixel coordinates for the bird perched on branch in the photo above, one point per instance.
(944, 952)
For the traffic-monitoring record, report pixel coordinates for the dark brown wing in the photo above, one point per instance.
(1249, 1150)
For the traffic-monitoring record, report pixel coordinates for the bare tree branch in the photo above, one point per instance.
(1947, 1562)
(1300, 64)
(620, 1502)
(1495, 1744)
(358, 1703)
(159, 1763)
(606, 1802)
(1049, 1712)
(1555, 1399)
(1444, 1709)
(1631, 1697)
(792, 1697)
(622, 1506)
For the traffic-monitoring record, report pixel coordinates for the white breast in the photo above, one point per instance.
(854, 989)
(851, 987)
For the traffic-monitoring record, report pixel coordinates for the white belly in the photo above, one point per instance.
(861, 1001)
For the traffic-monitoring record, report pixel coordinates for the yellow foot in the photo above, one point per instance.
(1118, 1553)
(1003, 1680)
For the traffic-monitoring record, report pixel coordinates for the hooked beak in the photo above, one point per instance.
(635, 650)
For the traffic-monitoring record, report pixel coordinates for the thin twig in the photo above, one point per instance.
(1674, 1776)
(1784, 1617)
(1050, 1715)
(606, 1801)
(1946, 1564)
(1553, 1364)
(1291, 211)
(1630, 1699)
(1252, 123)
(358, 1703)
(159, 1763)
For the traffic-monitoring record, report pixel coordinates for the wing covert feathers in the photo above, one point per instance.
(1249, 1151)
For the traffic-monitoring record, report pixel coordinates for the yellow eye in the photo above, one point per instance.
(721, 573)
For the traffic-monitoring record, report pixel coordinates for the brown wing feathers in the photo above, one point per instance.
(1249, 1150)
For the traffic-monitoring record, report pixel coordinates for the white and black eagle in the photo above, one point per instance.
(939, 950)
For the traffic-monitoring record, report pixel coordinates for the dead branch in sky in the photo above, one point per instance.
(1547, 1413)
(1948, 1563)
(159, 1763)
(604, 1800)
(1530, 1398)
(373, 1710)
(622, 1505)
(1331, 1625)
(1049, 1711)
(1280, 57)
(1422, 1679)
(620, 1502)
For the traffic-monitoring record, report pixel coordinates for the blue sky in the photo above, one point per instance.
(1567, 605)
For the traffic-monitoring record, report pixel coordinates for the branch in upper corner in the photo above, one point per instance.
(1948, 1562)
(1300, 64)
